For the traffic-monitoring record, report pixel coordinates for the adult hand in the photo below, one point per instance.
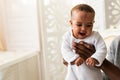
(85, 50)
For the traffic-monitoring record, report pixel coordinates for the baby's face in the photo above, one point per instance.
(82, 24)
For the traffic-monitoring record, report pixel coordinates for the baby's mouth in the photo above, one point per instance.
(82, 34)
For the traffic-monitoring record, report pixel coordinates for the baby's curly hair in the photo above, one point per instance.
(83, 7)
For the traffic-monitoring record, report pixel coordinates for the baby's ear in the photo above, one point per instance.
(70, 21)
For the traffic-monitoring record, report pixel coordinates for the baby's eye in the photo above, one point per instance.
(89, 25)
(79, 25)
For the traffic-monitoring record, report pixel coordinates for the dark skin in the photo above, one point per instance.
(86, 50)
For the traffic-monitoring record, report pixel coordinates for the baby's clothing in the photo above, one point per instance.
(83, 72)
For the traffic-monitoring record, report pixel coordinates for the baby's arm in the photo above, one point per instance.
(101, 49)
(67, 51)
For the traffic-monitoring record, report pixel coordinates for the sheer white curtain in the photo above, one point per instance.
(20, 25)
(2, 40)
(54, 17)
(2, 37)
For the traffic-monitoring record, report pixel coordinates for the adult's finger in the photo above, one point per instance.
(88, 46)
(65, 62)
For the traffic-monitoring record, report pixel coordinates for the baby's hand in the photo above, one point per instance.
(91, 62)
(79, 61)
